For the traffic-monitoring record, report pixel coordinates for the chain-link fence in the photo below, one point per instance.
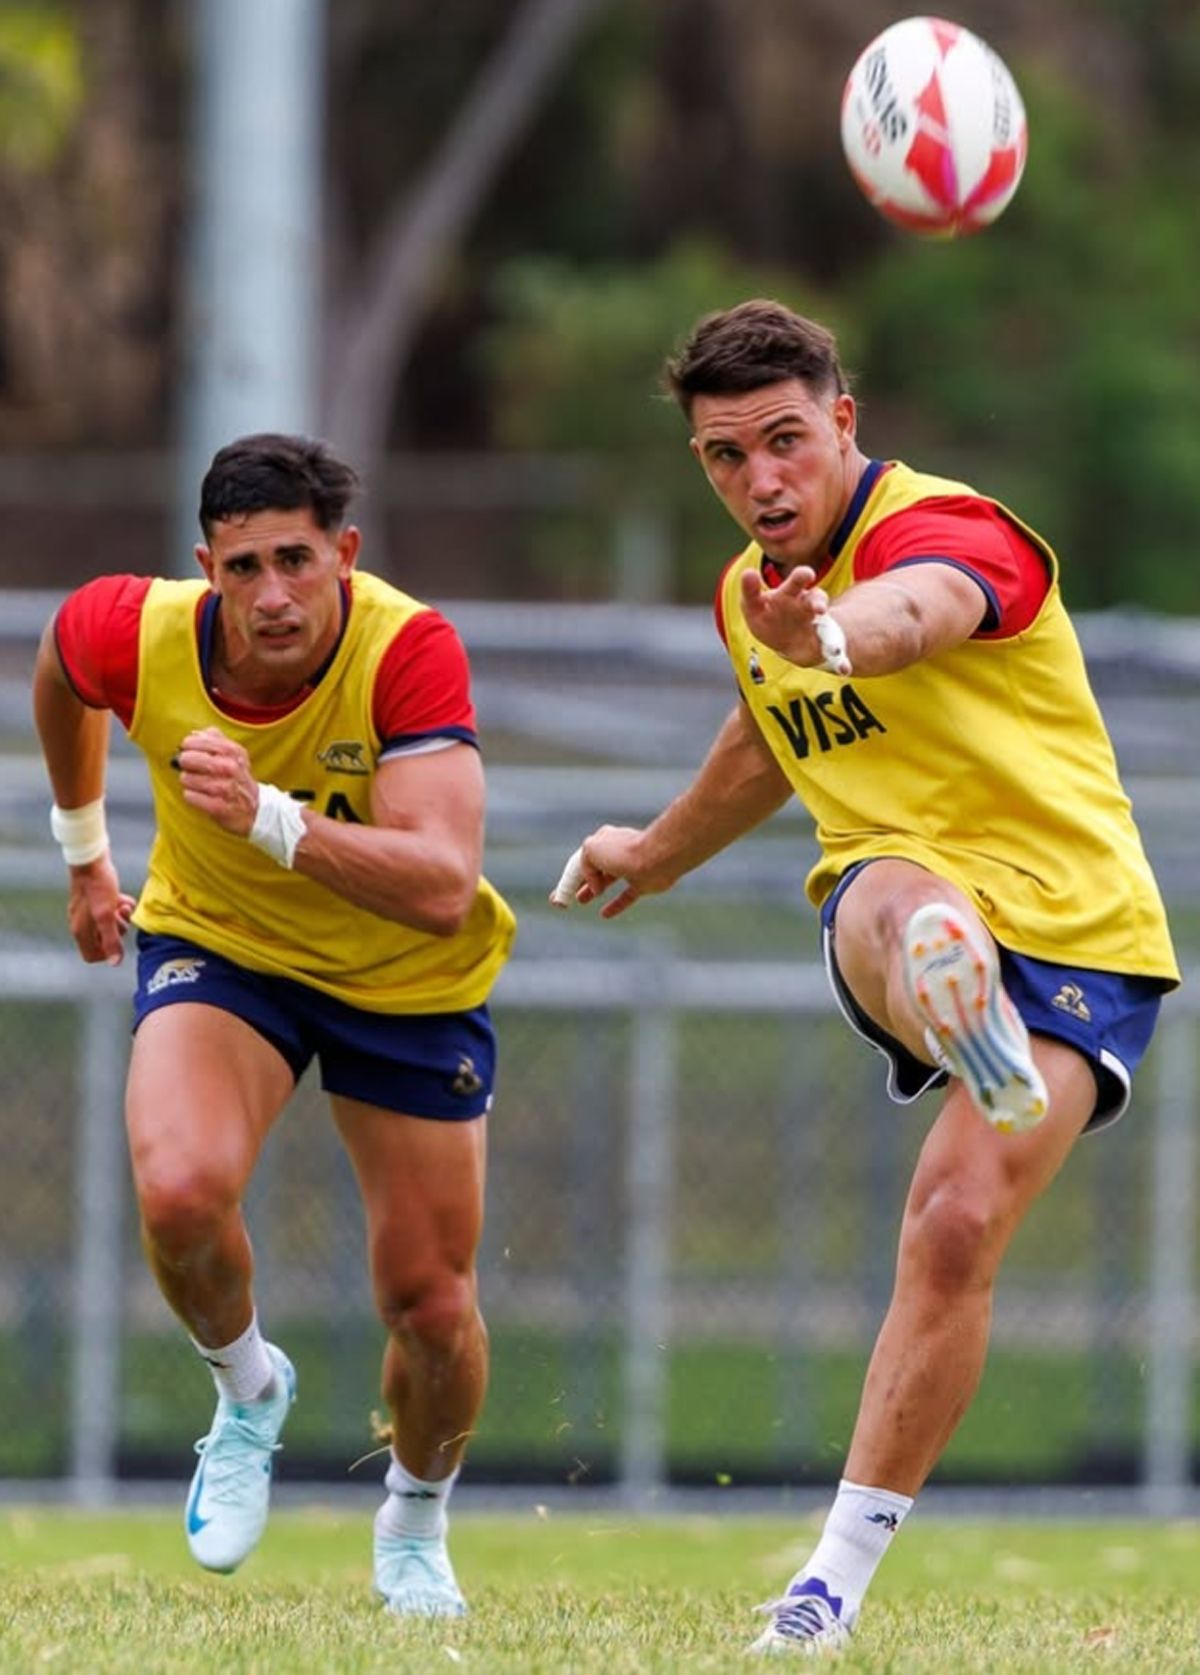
(696, 1178)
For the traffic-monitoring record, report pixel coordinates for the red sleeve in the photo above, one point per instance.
(96, 632)
(423, 686)
(974, 536)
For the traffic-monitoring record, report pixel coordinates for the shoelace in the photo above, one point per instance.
(223, 1478)
(801, 1616)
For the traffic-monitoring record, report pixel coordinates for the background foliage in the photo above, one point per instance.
(686, 155)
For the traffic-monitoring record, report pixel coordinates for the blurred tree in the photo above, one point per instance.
(576, 360)
(1049, 361)
(86, 204)
(41, 84)
(377, 314)
(484, 159)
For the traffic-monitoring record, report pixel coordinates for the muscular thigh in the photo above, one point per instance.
(422, 1182)
(203, 1091)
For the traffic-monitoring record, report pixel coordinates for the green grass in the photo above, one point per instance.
(583, 1593)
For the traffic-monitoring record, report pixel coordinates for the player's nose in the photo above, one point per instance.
(764, 478)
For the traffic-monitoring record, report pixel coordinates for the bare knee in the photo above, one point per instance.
(183, 1210)
(952, 1238)
(431, 1313)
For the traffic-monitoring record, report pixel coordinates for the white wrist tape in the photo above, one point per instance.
(278, 825)
(81, 832)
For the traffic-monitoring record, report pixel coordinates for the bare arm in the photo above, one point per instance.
(74, 738)
(739, 784)
(889, 622)
(418, 862)
(74, 742)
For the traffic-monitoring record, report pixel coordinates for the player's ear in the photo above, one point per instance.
(204, 559)
(349, 545)
(845, 416)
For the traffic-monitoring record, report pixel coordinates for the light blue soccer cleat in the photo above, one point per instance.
(974, 1030)
(231, 1488)
(414, 1575)
(808, 1621)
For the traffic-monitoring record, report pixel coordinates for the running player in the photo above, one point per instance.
(314, 890)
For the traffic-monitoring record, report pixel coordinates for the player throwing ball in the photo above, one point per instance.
(314, 891)
(991, 925)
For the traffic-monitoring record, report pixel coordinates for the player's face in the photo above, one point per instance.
(278, 575)
(783, 461)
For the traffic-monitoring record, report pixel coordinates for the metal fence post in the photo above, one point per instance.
(1166, 1467)
(99, 1202)
(648, 1242)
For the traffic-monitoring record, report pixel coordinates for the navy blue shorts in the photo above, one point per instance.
(424, 1064)
(1107, 1017)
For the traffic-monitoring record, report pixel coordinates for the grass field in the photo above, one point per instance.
(589, 1595)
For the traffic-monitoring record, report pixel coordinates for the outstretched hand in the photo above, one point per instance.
(793, 619)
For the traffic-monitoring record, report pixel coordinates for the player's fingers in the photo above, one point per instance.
(797, 581)
(90, 940)
(621, 904)
(112, 950)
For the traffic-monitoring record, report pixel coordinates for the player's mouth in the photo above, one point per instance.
(279, 633)
(776, 526)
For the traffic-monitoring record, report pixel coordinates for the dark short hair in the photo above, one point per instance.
(744, 348)
(275, 473)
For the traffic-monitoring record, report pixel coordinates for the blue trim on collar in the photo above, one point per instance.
(208, 634)
(854, 511)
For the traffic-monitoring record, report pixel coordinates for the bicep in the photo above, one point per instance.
(436, 793)
(946, 600)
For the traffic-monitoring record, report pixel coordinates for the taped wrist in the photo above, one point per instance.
(81, 833)
(278, 825)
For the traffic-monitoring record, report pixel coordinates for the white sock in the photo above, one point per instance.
(857, 1533)
(414, 1506)
(242, 1369)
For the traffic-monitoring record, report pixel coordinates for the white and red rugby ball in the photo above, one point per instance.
(933, 127)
